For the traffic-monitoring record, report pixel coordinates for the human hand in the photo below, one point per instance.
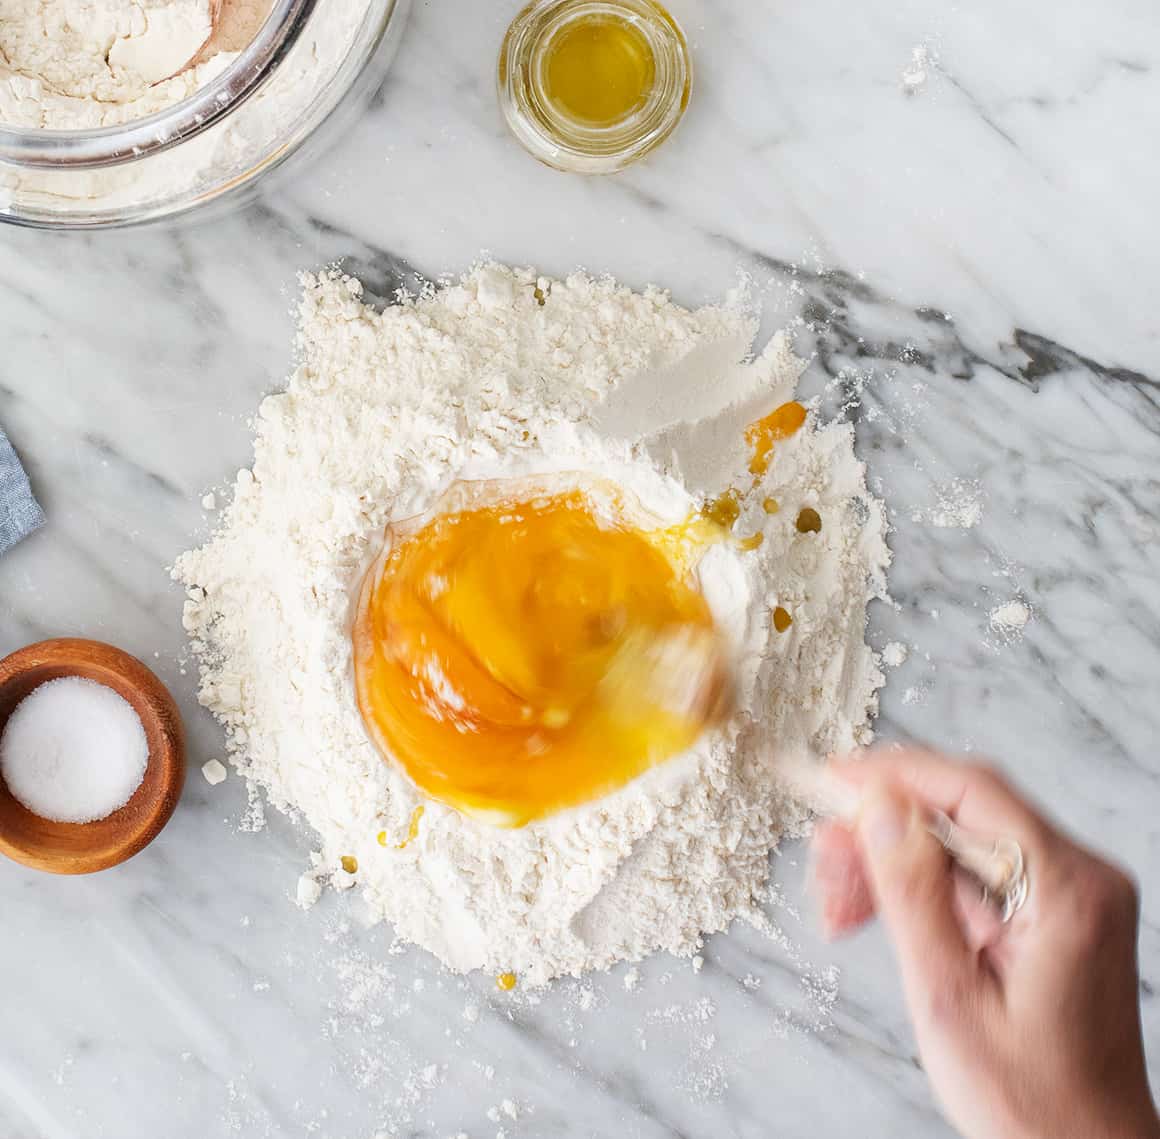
(1027, 1030)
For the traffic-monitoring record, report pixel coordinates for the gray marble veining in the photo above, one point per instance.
(971, 268)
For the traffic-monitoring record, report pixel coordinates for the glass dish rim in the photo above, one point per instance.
(380, 30)
(97, 147)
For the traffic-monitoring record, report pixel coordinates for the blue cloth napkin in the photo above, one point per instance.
(20, 513)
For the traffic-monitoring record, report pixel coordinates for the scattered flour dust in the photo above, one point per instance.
(504, 373)
(1008, 619)
(958, 505)
(895, 654)
(923, 61)
(1010, 615)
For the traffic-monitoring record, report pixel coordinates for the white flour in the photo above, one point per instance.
(478, 378)
(959, 505)
(70, 64)
(1008, 619)
(916, 73)
(1010, 615)
(894, 654)
(89, 92)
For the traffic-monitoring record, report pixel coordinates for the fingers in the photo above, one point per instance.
(979, 919)
(840, 882)
(914, 889)
(838, 878)
(977, 797)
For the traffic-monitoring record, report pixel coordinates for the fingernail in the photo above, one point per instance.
(883, 822)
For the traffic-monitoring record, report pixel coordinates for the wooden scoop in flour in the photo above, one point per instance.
(178, 36)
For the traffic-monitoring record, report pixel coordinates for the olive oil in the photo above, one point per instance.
(592, 85)
(599, 70)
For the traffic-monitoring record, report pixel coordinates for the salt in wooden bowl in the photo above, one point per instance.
(81, 848)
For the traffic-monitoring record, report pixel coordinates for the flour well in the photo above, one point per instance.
(506, 374)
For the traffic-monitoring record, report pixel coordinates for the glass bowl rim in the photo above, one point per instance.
(379, 31)
(96, 147)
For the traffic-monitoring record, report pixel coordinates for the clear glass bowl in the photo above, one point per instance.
(307, 58)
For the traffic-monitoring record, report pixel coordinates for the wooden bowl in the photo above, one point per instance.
(81, 848)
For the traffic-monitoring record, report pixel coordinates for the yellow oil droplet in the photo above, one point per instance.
(506, 981)
(770, 505)
(724, 510)
(781, 619)
(349, 863)
(412, 828)
(752, 542)
(763, 433)
(599, 69)
(809, 521)
(381, 838)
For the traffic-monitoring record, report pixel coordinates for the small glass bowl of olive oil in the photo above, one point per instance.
(592, 85)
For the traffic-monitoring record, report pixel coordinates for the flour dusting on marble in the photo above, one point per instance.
(894, 654)
(958, 505)
(1008, 619)
(917, 72)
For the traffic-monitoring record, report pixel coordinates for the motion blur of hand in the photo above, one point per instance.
(1029, 1030)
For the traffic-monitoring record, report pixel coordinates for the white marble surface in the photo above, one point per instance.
(980, 257)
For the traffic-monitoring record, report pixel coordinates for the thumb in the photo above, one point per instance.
(914, 889)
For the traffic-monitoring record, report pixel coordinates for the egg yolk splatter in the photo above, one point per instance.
(412, 828)
(762, 434)
(490, 648)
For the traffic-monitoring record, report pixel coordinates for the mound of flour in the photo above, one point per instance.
(504, 373)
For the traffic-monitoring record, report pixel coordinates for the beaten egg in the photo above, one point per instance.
(504, 653)
(533, 651)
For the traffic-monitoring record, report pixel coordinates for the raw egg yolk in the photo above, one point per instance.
(489, 648)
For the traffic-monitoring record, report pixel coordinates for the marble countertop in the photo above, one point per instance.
(974, 256)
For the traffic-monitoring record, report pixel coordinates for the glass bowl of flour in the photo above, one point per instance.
(120, 111)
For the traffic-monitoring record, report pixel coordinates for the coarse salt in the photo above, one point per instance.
(73, 751)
